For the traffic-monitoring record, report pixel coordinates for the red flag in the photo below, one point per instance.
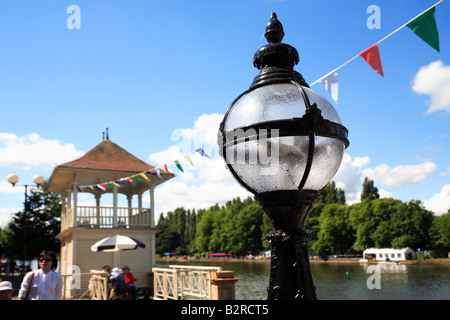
(167, 169)
(372, 57)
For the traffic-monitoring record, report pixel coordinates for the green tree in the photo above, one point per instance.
(369, 192)
(167, 241)
(411, 226)
(335, 233)
(440, 234)
(208, 231)
(330, 194)
(245, 232)
(34, 229)
(384, 223)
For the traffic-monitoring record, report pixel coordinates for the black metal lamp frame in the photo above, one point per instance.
(290, 276)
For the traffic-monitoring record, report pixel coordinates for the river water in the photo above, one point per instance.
(349, 281)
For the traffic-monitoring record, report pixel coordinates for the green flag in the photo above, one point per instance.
(179, 165)
(425, 27)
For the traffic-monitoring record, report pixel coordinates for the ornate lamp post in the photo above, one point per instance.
(38, 180)
(284, 143)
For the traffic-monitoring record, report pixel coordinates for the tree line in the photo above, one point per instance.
(34, 228)
(240, 226)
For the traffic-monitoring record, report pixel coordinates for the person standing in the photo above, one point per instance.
(45, 283)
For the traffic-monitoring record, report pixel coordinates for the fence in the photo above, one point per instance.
(107, 217)
(183, 282)
(97, 288)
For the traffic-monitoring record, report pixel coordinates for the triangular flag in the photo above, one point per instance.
(331, 85)
(144, 176)
(158, 172)
(167, 169)
(179, 165)
(202, 152)
(189, 159)
(152, 173)
(425, 27)
(137, 179)
(372, 57)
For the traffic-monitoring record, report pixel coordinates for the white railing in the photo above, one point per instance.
(106, 217)
(97, 286)
(183, 282)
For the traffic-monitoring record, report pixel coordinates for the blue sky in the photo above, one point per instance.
(161, 74)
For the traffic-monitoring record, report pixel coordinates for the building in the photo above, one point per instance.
(389, 254)
(92, 189)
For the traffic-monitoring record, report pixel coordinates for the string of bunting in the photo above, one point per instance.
(106, 186)
(423, 25)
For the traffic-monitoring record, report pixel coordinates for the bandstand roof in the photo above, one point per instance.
(105, 162)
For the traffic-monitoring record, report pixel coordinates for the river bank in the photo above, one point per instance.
(443, 261)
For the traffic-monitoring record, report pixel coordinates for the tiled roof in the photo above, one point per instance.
(109, 156)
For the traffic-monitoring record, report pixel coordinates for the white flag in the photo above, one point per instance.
(331, 85)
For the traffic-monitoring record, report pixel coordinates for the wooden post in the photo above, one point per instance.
(115, 222)
(97, 202)
(152, 207)
(75, 200)
(223, 285)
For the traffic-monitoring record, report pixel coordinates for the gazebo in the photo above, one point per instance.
(107, 171)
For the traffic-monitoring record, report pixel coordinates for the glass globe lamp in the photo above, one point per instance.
(283, 142)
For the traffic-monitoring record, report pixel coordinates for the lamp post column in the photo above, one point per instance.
(290, 274)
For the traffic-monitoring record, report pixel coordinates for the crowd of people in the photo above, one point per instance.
(122, 283)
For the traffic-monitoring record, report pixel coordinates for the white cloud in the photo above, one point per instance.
(400, 175)
(7, 187)
(434, 80)
(349, 177)
(439, 203)
(32, 151)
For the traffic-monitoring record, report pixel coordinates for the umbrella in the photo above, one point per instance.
(117, 243)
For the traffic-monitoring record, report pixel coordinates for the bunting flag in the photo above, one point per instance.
(167, 169)
(189, 159)
(202, 153)
(372, 57)
(158, 173)
(425, 27)
(110, 185)
(331, 85)
(179, 165)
